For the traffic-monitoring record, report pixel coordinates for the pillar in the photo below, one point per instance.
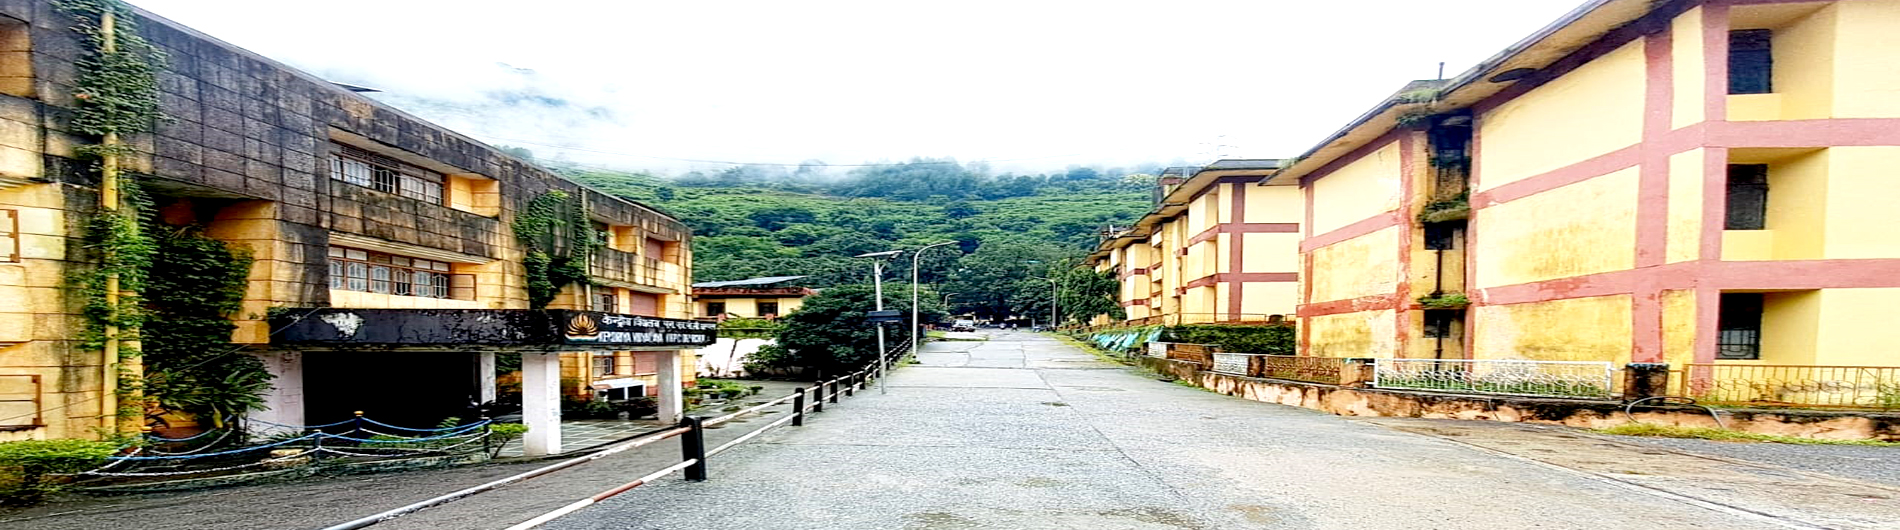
(672, 406)
(485, 376)
(283, 403)
(541, 402)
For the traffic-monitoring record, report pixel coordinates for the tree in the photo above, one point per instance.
(828, 335)
(1085, 293)
(959, 210)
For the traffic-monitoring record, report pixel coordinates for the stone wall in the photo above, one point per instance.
(1347, 401)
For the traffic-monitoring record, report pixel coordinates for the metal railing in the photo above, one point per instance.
(1873, 387)
(1570, 379)
(1176, 319)
(20, 399)
(804, 401)
(1325, 370)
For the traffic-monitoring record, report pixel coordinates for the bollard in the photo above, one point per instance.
(798, 408)
(693, 447)
(357, 427)
(818, 397)
(834, 390)
(850, 387)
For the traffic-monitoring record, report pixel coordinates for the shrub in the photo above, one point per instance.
(501, 433)
(24, 465)
(1277, 340)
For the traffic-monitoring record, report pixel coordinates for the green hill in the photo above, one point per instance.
(750, 222)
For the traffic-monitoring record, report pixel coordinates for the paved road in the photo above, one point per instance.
(1023, 432)
(318, 502)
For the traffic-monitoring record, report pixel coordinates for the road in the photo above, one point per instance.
(1024, 432)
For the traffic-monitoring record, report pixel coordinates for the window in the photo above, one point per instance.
(1747, 197)
(623, 393)
(9, 236)
(1751, 61)
(606, 364)
(714, 309)
(1739, 335)
(388, 175)
(767, 309)
(1442, 236)
(1439, 323)
(606, 303)
(375, 272)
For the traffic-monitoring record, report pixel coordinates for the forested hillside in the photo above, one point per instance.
(1011, 228)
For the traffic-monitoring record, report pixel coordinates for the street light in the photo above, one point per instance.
(877, 281)
(1053, 322)
(915, 259)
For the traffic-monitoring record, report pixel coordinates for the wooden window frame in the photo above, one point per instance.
(611, 366)
(763, 313)
(354, 269)
(714, 309)
(368, 169)
(609, 300)
(10, 227)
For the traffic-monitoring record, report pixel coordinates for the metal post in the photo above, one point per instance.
(915, 262)
(877, 282)
(357, 426)
(798, 407)
(693, 447)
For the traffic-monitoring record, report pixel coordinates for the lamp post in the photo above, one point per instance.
(915, 261)
(877, 281)
(1053, 321)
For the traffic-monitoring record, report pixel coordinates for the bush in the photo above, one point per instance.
(501, 433)
(25, 464)
(1277, 340)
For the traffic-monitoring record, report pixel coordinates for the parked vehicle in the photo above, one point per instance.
(963, 325)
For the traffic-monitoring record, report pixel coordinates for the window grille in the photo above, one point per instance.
(376, 272)
(382, 173)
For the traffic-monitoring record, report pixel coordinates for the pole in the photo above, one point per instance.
(1053, 321)
(915, 326)
(693, 448)
(877, 282)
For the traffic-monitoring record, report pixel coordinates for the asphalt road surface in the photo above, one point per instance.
(1025, 432)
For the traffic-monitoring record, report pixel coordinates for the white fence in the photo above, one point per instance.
(1574, 379)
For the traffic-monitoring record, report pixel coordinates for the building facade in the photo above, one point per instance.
(1682, 182)
(1217, 248)
(387, 273)
(768, 298)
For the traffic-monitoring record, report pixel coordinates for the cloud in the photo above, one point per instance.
(1027, 85)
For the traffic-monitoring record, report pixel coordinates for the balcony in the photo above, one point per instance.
(626, 269)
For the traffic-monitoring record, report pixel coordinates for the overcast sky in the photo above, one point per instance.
(1023, 84)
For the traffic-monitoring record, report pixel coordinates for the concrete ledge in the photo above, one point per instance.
(1346, 401)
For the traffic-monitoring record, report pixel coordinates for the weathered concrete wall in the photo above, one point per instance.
(1570, 412)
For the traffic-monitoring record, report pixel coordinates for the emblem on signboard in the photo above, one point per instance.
(580, 326)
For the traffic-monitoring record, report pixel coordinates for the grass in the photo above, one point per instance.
(1097, 352)
(1725, 435)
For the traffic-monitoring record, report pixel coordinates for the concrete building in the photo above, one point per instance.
(769, 297)
(1217, 248)
(387, 273)
(1682, 182)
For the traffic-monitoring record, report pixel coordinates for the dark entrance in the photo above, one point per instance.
(409, 389)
